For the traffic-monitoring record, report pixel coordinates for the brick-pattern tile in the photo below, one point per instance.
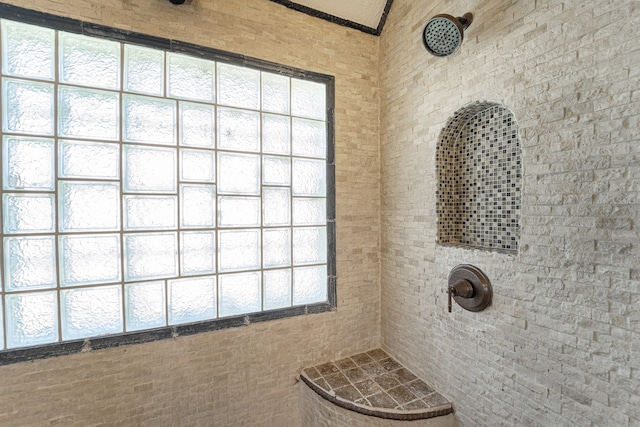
(560, 344)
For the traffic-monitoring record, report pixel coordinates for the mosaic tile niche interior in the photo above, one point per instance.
(479, 179)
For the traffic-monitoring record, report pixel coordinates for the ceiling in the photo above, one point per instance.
(363, 15)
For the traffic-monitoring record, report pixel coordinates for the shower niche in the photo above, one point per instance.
(479, 174)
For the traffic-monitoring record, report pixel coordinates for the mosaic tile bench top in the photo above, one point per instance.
(373, 383)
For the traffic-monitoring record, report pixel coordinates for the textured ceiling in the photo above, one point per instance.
(364, 15)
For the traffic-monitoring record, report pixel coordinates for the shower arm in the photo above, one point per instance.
(465, 20)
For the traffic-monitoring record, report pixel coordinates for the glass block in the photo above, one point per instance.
(197, 125)
(149, 120)
(190, 77)
(78, 159)
(198, 251)
(149, 170)
(309, 245)
(276, 247)
(192, 300)
(27, 107)
(143, 70)
(28, 163)
(276, 134)
(309, 285)
(276, 170)
(238, 211)
(277, 289)
(198, 206)
(197, 165)
(275, 93)
(89, 206)
(238, 86)
(144, 305)
(238, 130)
(309, 211)
(88, 113)
(29, 263)
(240, 294)
(150, 212)
(308, 99)
(309, 138)
(150, 256)
(309, 177)
(32, 319)
(28, 213)
(276, 206)
(89, 259)
(89, 61)
(239, 173)
(29, 51)
(88, 312)
(238, 250)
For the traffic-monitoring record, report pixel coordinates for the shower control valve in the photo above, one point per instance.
(469, 287)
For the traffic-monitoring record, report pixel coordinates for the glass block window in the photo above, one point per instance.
(479, 170)
(145, 188)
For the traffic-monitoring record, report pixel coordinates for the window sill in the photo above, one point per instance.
(8, 357)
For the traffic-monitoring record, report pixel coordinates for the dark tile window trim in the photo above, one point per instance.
(28, 16)
(340, 21)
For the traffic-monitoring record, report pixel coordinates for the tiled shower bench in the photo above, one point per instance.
(370, 389)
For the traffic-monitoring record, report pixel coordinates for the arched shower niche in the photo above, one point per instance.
(478, 169)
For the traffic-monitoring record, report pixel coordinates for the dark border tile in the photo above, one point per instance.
(340, 21)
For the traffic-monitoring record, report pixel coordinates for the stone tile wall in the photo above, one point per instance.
(560, 346)
(243, 376)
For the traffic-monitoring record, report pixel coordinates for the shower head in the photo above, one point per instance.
(443, 34)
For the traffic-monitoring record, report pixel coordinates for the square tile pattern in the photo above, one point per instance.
(479, 173)
(376, 380)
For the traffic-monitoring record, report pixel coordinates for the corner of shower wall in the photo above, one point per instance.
(479, 174)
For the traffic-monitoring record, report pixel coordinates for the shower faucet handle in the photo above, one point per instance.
(469, 287)
(462, 288)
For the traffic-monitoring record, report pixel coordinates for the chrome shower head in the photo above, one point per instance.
(443, 34)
